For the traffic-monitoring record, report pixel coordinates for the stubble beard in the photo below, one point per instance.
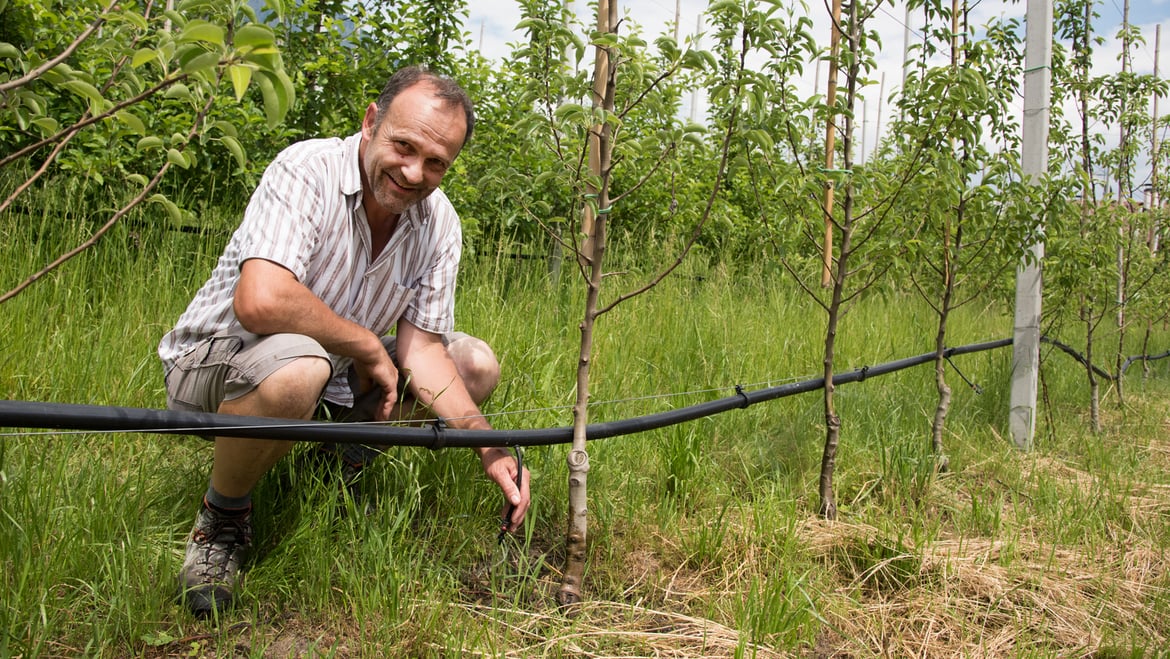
(390, 197)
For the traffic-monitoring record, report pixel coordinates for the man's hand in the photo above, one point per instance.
(377, 369)
(500, 466)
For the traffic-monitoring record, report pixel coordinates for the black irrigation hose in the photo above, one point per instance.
(24, 414)
(1080, 358)
(1142, 358)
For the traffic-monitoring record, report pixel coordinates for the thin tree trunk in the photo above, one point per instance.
(1094, 387)
(1088, 206)
(594, 257)
(828, 505)
(940, 364)
(1124, 198)
(830, 142)
(949, 247)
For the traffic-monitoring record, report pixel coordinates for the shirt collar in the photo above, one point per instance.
(351, 173)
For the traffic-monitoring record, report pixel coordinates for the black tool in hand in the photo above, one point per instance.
(506, 520)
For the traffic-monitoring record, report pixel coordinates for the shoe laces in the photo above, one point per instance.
(220, 539)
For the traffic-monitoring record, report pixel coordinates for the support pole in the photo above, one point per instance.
(1034, 159)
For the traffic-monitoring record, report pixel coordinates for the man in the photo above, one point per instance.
(342, 241)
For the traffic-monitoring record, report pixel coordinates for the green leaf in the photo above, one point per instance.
(9, 51)
(277, 91)
(175, 17)
(253, 35)
(227, 128)
(201, 30)
(272, 109)
(233, 145)
(278, 7)
(58, 75)
(178, 90)
(142, 56)
(132, 121)
(33, 102)
(138, 179)
(202, 62)
(176, 157)
(172, 210)
(603, 39)
(149, 142)
(187, 6)
(265, 58)
(48, 125)
(241, 75)
(86, 90)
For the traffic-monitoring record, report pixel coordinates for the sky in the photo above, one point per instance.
(491, 25)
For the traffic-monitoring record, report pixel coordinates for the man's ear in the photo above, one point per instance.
(370, 121)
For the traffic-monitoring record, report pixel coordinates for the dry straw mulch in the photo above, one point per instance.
(990, 598)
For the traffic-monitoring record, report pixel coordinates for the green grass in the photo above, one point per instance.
(703, 537)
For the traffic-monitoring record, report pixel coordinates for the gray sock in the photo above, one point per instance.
(226, 504)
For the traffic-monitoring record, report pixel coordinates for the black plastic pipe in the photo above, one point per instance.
(25, 414)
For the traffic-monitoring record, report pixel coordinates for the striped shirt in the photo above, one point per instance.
(307, 216)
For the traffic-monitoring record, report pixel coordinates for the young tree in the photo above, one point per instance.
(585, 148)
(970, 215)
(862, 248)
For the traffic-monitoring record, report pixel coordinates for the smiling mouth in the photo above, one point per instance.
(398, 186)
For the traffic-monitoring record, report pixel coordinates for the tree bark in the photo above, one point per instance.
(593, 253)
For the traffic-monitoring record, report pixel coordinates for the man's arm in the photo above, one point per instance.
(269, 300)
(435, 382)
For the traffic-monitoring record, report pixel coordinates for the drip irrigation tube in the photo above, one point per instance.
(1142, 358)
(1068, 350)
(26, 414)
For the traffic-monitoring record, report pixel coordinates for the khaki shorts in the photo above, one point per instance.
(229, 366)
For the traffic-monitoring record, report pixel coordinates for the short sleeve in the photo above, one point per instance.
(280, 222)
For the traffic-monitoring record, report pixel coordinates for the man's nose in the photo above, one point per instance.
(412, 171)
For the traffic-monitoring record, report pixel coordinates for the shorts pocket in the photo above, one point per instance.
(216, 351)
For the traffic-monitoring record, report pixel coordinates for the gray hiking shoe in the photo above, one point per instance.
(215, 550)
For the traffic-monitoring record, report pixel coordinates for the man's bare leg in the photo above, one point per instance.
(291, 392)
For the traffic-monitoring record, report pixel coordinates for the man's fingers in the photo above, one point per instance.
(520, 500)
(389, 397)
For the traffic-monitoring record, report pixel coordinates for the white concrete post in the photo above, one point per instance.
(1034, 160)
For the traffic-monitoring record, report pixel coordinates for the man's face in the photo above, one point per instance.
(407, 154)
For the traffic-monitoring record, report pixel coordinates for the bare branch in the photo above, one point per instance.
(649, 88)
(698, 230)
(647, 177)
(800, 282)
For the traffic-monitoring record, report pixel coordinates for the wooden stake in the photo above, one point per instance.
(831, 144)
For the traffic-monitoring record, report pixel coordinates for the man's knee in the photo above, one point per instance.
(477, 365)
(291, 391)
